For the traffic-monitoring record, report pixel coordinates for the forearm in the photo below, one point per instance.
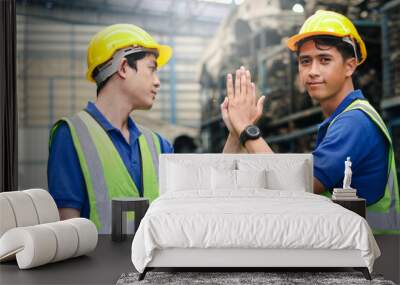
(68, 213)
(258, 146)
(232, 145)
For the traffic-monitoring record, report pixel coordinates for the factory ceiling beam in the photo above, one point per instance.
(154, 24)
(136, 8)
(190, 14)
(137, 4)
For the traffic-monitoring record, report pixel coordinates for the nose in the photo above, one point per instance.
(156, 81)
(314, 69)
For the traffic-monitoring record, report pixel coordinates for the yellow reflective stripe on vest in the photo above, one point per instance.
(384, 215)
(105, 174)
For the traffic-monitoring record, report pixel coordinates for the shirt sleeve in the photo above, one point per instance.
(166, 146)
(347, 136)
(65, 178)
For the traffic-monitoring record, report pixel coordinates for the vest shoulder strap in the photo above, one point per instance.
(367, 108)
(153, 143)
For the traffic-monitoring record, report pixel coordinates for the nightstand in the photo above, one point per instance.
(357, 205)
(119, 208)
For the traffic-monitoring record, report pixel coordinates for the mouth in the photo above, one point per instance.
(314, 83)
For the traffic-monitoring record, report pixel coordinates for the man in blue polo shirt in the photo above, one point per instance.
(353, 134)
(100, 153)
(329, 50)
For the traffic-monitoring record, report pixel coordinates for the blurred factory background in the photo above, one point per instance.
(210, 39)
(52, 38)
(254, 35)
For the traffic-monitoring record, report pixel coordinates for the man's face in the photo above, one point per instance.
(144, 83)
(322, 71)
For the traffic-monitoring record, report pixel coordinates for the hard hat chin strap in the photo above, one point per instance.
(350, 41)
(111, 66)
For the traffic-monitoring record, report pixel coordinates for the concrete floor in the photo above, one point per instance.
(389, 262)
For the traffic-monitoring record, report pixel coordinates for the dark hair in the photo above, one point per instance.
(344, 48)
(131, 58)
(184, 144)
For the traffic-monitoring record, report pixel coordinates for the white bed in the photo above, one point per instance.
(247, 211)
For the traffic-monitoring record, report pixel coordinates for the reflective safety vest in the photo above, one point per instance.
(384, 215)
(105, 174)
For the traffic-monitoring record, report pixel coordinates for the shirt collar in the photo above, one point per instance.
(350, 98)
(101, 119)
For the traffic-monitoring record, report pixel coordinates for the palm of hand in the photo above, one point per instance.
(241, 108)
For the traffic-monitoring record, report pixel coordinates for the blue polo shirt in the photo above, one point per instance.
(65, 178)
(352, 134)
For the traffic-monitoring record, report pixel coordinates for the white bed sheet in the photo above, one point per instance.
(251, 218)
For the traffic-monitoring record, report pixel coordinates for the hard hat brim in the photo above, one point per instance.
(292, 41)
(164, 55)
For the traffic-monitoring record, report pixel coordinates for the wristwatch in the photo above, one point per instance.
(251, 132)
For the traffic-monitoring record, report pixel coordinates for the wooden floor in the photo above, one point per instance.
(389, 262)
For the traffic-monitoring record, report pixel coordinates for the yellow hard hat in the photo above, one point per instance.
(331, 24)
(108, 41)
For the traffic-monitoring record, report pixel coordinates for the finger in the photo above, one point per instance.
(223, 107)
(243, 83)
(229, 86)
(250, 88)
(237, 82)
(253, 93)
(225, 103)
(260, 105)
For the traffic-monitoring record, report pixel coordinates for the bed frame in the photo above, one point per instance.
(242, 259)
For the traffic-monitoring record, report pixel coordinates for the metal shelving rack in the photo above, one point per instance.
(390, 25)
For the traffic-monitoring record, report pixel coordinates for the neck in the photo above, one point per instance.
(115, 108)
(329, 106)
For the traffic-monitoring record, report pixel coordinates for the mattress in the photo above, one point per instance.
(251, 219)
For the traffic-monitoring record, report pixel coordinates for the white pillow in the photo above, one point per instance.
(251, 178)
(187, 177)
(281, 174)
(293, 180)
(223, 179)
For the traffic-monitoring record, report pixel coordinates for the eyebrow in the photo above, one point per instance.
(154, 62)
(322, 54)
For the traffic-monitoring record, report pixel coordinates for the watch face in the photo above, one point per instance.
(253, 131)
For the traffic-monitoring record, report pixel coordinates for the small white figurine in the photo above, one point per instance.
(347, 174)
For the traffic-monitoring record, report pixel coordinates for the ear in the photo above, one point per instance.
(123, 68)
(350, 65)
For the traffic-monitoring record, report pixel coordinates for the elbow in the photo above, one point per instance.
(318, 187)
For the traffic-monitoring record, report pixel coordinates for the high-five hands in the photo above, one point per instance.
(241, 108)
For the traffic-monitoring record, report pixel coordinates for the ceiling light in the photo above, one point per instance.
(298, 8)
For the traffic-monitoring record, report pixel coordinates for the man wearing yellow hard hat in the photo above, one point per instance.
(329, 50)
(101, 153)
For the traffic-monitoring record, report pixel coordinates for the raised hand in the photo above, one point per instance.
(242, 107)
